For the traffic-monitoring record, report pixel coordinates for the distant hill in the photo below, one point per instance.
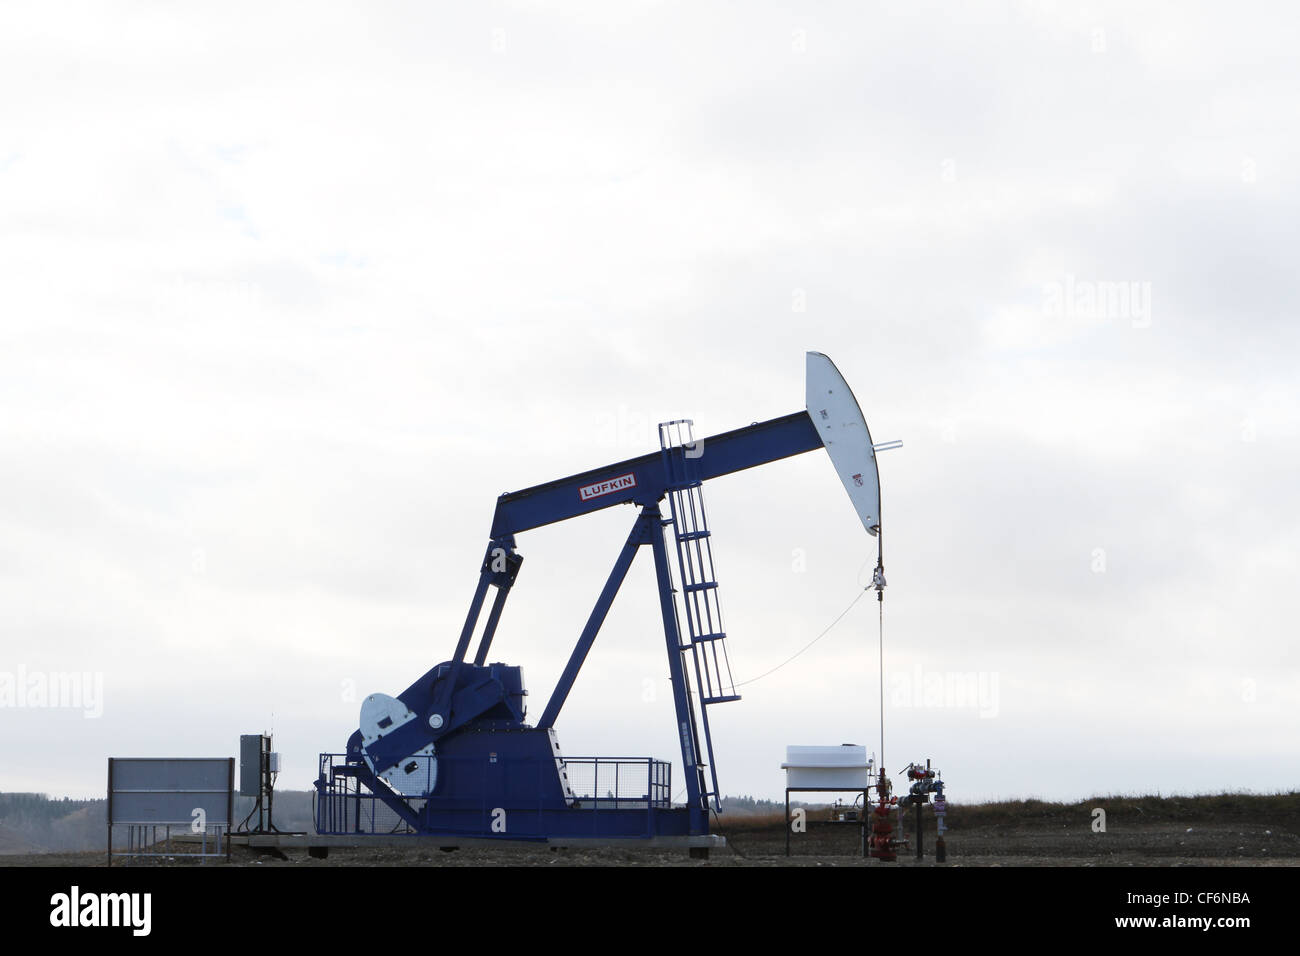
(12, 842)
(37, 823)
(34, 822)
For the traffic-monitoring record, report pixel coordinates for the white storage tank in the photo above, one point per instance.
(845, 767)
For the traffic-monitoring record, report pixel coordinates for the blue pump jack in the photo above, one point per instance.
(452, 754)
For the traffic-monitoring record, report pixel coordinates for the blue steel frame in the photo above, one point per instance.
(638, 794)
(446, 690)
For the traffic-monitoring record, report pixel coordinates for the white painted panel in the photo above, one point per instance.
(381, 715)
(843, 430)
(413, 775)
(847, 755)
(827, 768)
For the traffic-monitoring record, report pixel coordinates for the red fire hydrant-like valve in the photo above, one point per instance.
(882, 844)
(882, 832)
(917, 772)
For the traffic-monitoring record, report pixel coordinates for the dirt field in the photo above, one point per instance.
(1227, 830)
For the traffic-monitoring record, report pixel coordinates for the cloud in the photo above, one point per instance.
(288, 303)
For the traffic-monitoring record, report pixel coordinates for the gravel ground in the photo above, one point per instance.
(1046, 844)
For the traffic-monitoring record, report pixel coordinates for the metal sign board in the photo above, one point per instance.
(169, 790)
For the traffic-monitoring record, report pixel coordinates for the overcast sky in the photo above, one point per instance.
(288, 295)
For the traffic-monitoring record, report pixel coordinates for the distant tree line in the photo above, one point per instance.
(32, 822)
(746, 805)
(36, 822)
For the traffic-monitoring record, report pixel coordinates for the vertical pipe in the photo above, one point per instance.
(271, 791)
(230, 802)
(109, 813)
(863, 817)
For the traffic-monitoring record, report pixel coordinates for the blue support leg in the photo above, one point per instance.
(641, 533)
(686, 732)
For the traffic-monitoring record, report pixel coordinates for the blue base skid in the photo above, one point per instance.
(453, 756)
(488, 796)
(530, 825)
